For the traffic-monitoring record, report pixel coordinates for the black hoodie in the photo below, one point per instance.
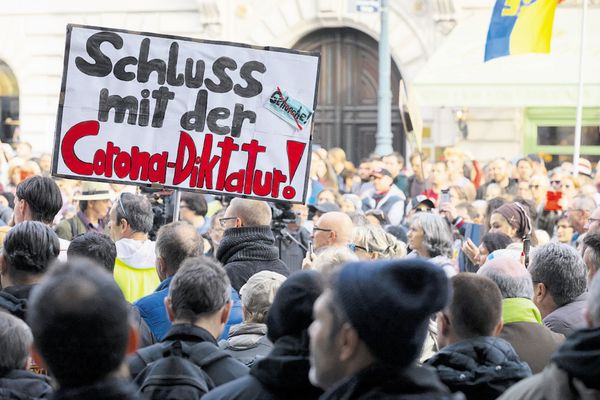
(579, 356)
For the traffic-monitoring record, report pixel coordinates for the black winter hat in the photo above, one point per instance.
(292, 308)
(389, 304)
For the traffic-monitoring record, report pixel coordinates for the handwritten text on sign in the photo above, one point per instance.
(145, 108)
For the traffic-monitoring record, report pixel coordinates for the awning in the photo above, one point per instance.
(456, 76)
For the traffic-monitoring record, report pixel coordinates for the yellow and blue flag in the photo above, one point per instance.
(519, 27)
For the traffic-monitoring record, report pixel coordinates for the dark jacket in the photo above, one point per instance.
(153, 311)
(482, 367)
(569, 317)
(247, 342)
(383, 382)
(20, 384)
(69, 228)
(283, 374)
(14, 299)
(572, 375)
(221, 371)
(111, 389)
(146, 336)
(533, 342)
(247, 250)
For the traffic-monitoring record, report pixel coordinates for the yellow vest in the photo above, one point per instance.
(135, 283)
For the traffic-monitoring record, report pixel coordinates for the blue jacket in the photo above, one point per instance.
(153, 311)
(235, 315)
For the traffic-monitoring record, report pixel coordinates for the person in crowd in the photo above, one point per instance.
(573, 373)
(247, 341)
(439, 181)
(95, 201)
(329, 196)
(539, 185)
(564, 230)
(30, 247)
(592, 225)
(357, 350)
(385, 197)
(580, 209)
(198, 304)
(331, 258)
(417, 182)
(37, 198)
(293, 238)
(16, 382)
(334, 229)
(492, 191)
(473, 359)
(81, 331)
(524, 191)
(394, 162)
(131, 218)
(372, 242)
(102, 250)
(429, 237)
(351, 203)
(491, 242)
(193, 209)
(364, 176)
(559, 284)
(248, 245)
(175, 242)
(524, 170)
(569, 187)
(591, 255)
(499, 174)
(283, 373)
(215, 233)
(455, 163)
(523, 327)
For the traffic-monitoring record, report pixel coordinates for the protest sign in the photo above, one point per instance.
(143, 108)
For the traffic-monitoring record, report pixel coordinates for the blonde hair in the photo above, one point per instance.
(453, 151)
(331, 258)
(258, 293)
(376, 240)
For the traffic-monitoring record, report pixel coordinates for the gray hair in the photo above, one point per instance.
(258, 293)
(177, 241)
(331, 258)
(510, 286)
(437, 237)
(584, 203)
(200, 287)
(593, 301)
(137, 210)
(15, 341)
(561, 269)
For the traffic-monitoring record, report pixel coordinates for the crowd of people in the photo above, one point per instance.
(443, 280)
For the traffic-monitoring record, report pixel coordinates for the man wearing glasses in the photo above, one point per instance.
(248, 244)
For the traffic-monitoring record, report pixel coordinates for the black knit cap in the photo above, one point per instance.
(389, 304)
(292, 310)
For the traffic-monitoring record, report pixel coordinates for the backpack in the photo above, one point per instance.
(174, 370)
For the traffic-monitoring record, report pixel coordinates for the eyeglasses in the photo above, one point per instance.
(534, 187)
(555, 182)
(316, 228)
(120, 202)
(592, 220)
(354, 246)
(223, 221)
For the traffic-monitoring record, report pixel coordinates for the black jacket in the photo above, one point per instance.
(381, 382)
(221, 371)
(111, 389)
(20, 384)
(14, 299)
(283, 374)
(482, 367)
(247, 250)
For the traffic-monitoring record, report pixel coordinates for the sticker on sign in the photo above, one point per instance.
(144, 108)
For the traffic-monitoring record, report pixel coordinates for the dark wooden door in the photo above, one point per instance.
(346, 114)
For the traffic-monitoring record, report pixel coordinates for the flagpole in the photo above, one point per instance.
(580, 95)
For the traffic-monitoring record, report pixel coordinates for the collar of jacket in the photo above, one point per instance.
(189, 333)
(519, 309)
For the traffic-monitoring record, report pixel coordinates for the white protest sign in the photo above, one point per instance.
(218, 117)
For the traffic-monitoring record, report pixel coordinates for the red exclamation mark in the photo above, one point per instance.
(295, 150)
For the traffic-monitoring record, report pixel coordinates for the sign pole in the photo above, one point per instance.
(383, 137)
(176, 205)
(579, 117)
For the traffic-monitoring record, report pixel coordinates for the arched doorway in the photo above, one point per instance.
(9, 103)
(346, 113)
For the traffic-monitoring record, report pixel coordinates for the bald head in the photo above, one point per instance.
(334, 229)
(250, 212)
(510, 275)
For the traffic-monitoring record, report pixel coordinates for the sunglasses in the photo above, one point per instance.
(555, 182)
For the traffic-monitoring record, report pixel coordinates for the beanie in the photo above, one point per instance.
(389, 304)
(292, 310)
